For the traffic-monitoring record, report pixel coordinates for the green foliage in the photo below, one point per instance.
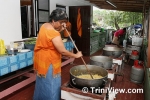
(116, 19)
(145, 42)
(30, 41)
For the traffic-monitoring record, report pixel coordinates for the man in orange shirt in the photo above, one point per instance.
(47, 57)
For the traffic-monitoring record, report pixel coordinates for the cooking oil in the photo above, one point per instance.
(2, 47)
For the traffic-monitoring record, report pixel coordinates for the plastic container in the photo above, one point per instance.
(137, 41)
(2, 47)
(96, 31)
(29, 46)
(124, 43)
(12, 51)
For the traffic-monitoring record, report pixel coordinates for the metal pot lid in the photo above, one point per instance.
(101, 58)
(112, 49)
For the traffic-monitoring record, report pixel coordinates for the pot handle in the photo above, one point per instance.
(73, 81)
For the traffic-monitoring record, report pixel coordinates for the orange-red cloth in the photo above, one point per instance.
(45, 53)
(79, 27)
(68, 26)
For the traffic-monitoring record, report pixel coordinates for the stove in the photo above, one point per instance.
(69, 92)
(120, 65)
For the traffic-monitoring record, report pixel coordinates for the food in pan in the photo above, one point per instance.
(87, 76)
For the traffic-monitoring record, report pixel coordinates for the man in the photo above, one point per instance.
(117, 36)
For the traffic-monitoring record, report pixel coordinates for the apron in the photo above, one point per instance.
(48, 88)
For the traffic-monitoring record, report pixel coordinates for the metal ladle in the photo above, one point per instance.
(78, 51)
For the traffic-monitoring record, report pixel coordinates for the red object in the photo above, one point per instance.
(135, 52)
(119, 33)
(138, 64)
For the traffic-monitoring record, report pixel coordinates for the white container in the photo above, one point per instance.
(124, 43)
(137, 41)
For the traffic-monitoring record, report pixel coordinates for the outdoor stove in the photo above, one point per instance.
(69, 92)
(120, 65)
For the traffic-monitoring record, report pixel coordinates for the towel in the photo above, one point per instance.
(79, 27)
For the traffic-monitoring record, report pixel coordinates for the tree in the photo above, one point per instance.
(116, 19)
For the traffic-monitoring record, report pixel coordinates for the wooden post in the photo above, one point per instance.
(148, 55)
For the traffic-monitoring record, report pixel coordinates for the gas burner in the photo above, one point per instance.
(68, 91)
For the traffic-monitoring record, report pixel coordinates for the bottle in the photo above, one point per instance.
(12, 51)
(2, 47)
(124, 43)
(12, 48)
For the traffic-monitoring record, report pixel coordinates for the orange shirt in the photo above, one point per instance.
(45, 53)
(68, 25)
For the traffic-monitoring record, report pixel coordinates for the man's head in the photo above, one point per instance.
(124, 29)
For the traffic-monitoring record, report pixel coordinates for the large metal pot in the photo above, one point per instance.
(112, 51)
(80, 82)
(103, 61)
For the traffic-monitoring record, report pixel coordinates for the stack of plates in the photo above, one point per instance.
(25, 50)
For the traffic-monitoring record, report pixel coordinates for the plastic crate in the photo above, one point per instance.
(4, 61)
(4, 65)
(13, 59)
(29, 62)
(22, 64)
(29, 55)
(21, 56)
(14, 67)
(4, 70)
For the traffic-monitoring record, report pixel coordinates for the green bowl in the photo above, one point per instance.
(96, 31)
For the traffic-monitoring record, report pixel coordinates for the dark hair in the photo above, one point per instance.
(124, 29)
(58, 14)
